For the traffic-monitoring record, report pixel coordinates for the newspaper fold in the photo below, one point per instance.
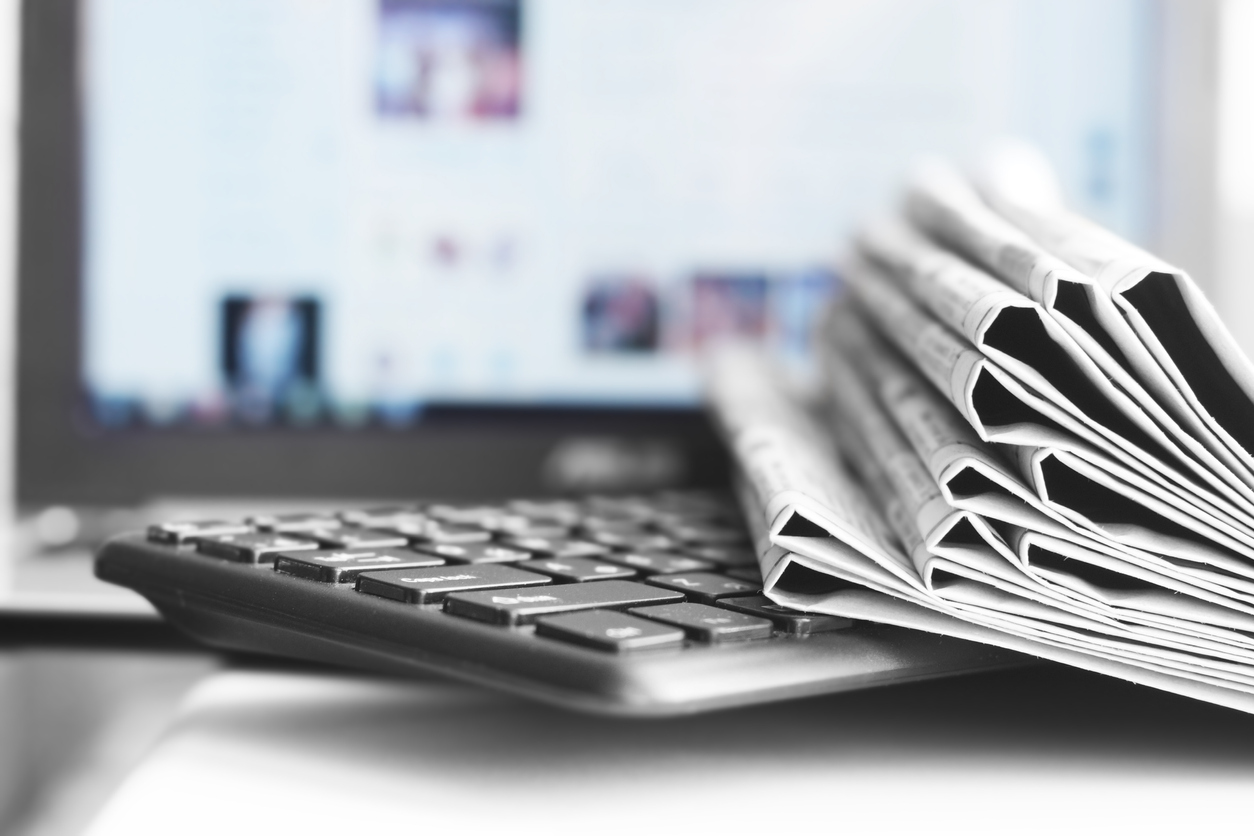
(1030, 433)
(822, 549)
(974, 476)
(943, 205)
(1162, 310)
(1024, 340)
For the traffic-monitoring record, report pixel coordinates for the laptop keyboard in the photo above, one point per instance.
(620, 575)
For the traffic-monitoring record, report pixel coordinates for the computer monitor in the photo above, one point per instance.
(399, 247)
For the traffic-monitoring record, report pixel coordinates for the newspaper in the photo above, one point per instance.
(790, 467)
(943, 205)
(1162, 310)
(1022, 338)
(939, 538)
(1123, 652)
(974, 477)
(956, 459)
(992, 457)
(1002, 409)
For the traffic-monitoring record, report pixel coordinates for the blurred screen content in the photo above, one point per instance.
(270, 356)
(352, 213)
(449, 60)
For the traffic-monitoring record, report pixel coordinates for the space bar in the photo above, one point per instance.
(508, 606)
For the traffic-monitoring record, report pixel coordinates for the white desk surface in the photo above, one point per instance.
(1040, 751)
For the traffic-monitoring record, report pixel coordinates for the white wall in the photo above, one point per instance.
(1233, 293)
(1187, 65)
(9, 56)
(14, 772)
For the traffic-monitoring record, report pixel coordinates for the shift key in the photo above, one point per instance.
(429, 586)
(522, 606)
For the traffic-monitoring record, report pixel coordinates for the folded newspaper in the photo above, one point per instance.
(1031, 434)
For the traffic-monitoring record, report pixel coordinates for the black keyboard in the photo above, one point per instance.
(643, 604)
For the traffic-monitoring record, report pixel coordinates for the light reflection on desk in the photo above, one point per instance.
(1013, 752)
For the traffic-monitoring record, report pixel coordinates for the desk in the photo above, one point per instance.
(1031, 751)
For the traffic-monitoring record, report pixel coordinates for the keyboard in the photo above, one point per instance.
(642, 605)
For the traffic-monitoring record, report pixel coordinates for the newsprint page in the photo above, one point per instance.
(1028, 433)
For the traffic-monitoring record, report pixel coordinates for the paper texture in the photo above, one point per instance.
(1010, 447)
(1186, 351)
(1020, 337)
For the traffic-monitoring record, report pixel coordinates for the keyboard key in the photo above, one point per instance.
(523, 607)
(612, 525)
(578, 570)
(429, 586)
(790, 621)
(724, 555)
(704, 586)
(556, 547)
(752, 574)
(293, 523)
(609, 630)
(342, 566)
(558, 510)
(707, 535)
(254, 547)
(359, 538)
(474, 552)
(518, 525)
(179, 533)
(708, 624)
(436, 532)
(414, 529)
(639, 541)
(659, 563)
(466, 514)
(383, 517)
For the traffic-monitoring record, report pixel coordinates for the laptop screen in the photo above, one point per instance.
(357, 213)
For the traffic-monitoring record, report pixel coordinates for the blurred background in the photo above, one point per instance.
(322, 250)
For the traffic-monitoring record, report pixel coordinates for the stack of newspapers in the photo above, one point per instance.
(1031, 434)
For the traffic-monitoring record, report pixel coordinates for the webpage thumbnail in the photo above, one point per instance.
(621, 314)
(453, 60)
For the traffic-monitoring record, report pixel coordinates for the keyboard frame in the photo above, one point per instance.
(252, 608)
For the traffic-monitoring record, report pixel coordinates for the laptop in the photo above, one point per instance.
(325, 256)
